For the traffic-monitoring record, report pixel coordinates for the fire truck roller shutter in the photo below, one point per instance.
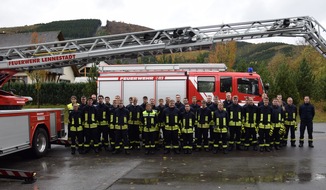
(109, 88)
(169, 88)
(138, 89)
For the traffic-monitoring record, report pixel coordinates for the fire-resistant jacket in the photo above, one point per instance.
(250, 115)
(90, 116)
(149, 121)
(103, 115)
(121, 118)
(204, 117)
(221, 120)
(135, 112)
(171, 120)
(160, 116)
(290, 114)
(265, 117)
(75, 121)
(277, 116)
(235, 115)
(187, 120)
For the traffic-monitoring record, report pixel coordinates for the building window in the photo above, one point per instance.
(19, 79)
(206, 84)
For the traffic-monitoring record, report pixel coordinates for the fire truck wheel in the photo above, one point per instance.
(40, 143)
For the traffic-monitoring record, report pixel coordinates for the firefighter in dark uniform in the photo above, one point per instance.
(204, 118)
(213, 107)
(111, 122)
(121, 128)
(306, 113)
(76, 129)
(277, 124)
(70, 108)
(135, 112)
(290, 124)
(265, 128)
(220, 131)
(149, 122)
(235, 123)
(194, 105)
(171, 128)
(228, 101)
(188, 120)
(250, 124)
(103, 117)
(90, 126)
(178, 103)
(160, 121)
(83, 103)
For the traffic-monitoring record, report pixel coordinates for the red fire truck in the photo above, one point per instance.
(188, 80)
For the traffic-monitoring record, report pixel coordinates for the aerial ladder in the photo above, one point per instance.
(150, 43)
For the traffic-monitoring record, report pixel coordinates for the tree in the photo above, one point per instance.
(285, 83)
(305, 79)
(38, 77)
(224, 52)
(90, 87)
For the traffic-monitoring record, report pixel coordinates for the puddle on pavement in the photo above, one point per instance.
(230, 179)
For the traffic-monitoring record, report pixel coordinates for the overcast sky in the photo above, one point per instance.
(158, 14)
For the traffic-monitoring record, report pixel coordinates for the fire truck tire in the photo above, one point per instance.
(40, 142)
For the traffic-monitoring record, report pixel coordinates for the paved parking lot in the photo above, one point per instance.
(289, 168)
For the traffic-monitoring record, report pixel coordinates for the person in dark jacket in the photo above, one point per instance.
(172, 121)
(121, 128)
(220, 131)
(76, 129)
(290, 123)
(90, 126)
(187, 121)
(306, 113)
(103, 117)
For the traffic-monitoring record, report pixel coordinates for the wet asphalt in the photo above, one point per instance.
(288, 168)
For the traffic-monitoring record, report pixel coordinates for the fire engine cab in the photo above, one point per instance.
(188, 80)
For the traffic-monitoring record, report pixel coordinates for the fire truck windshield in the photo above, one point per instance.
(248, 86)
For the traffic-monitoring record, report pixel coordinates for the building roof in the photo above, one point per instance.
(15, 39)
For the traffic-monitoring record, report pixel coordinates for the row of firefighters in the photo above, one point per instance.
(221, 126)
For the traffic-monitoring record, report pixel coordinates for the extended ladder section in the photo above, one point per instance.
(164, 67)
(155, 42)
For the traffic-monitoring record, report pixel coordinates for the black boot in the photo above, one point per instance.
(231, 147)
(293, 144)
(255, 148)
(167, 151)
(81, 150)
(225, 150)
(277, 147)
(147, 151)
(238, 147)
(73, 150)
(311, 145)
(215, 150)
(301, 144)
(176, 151)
